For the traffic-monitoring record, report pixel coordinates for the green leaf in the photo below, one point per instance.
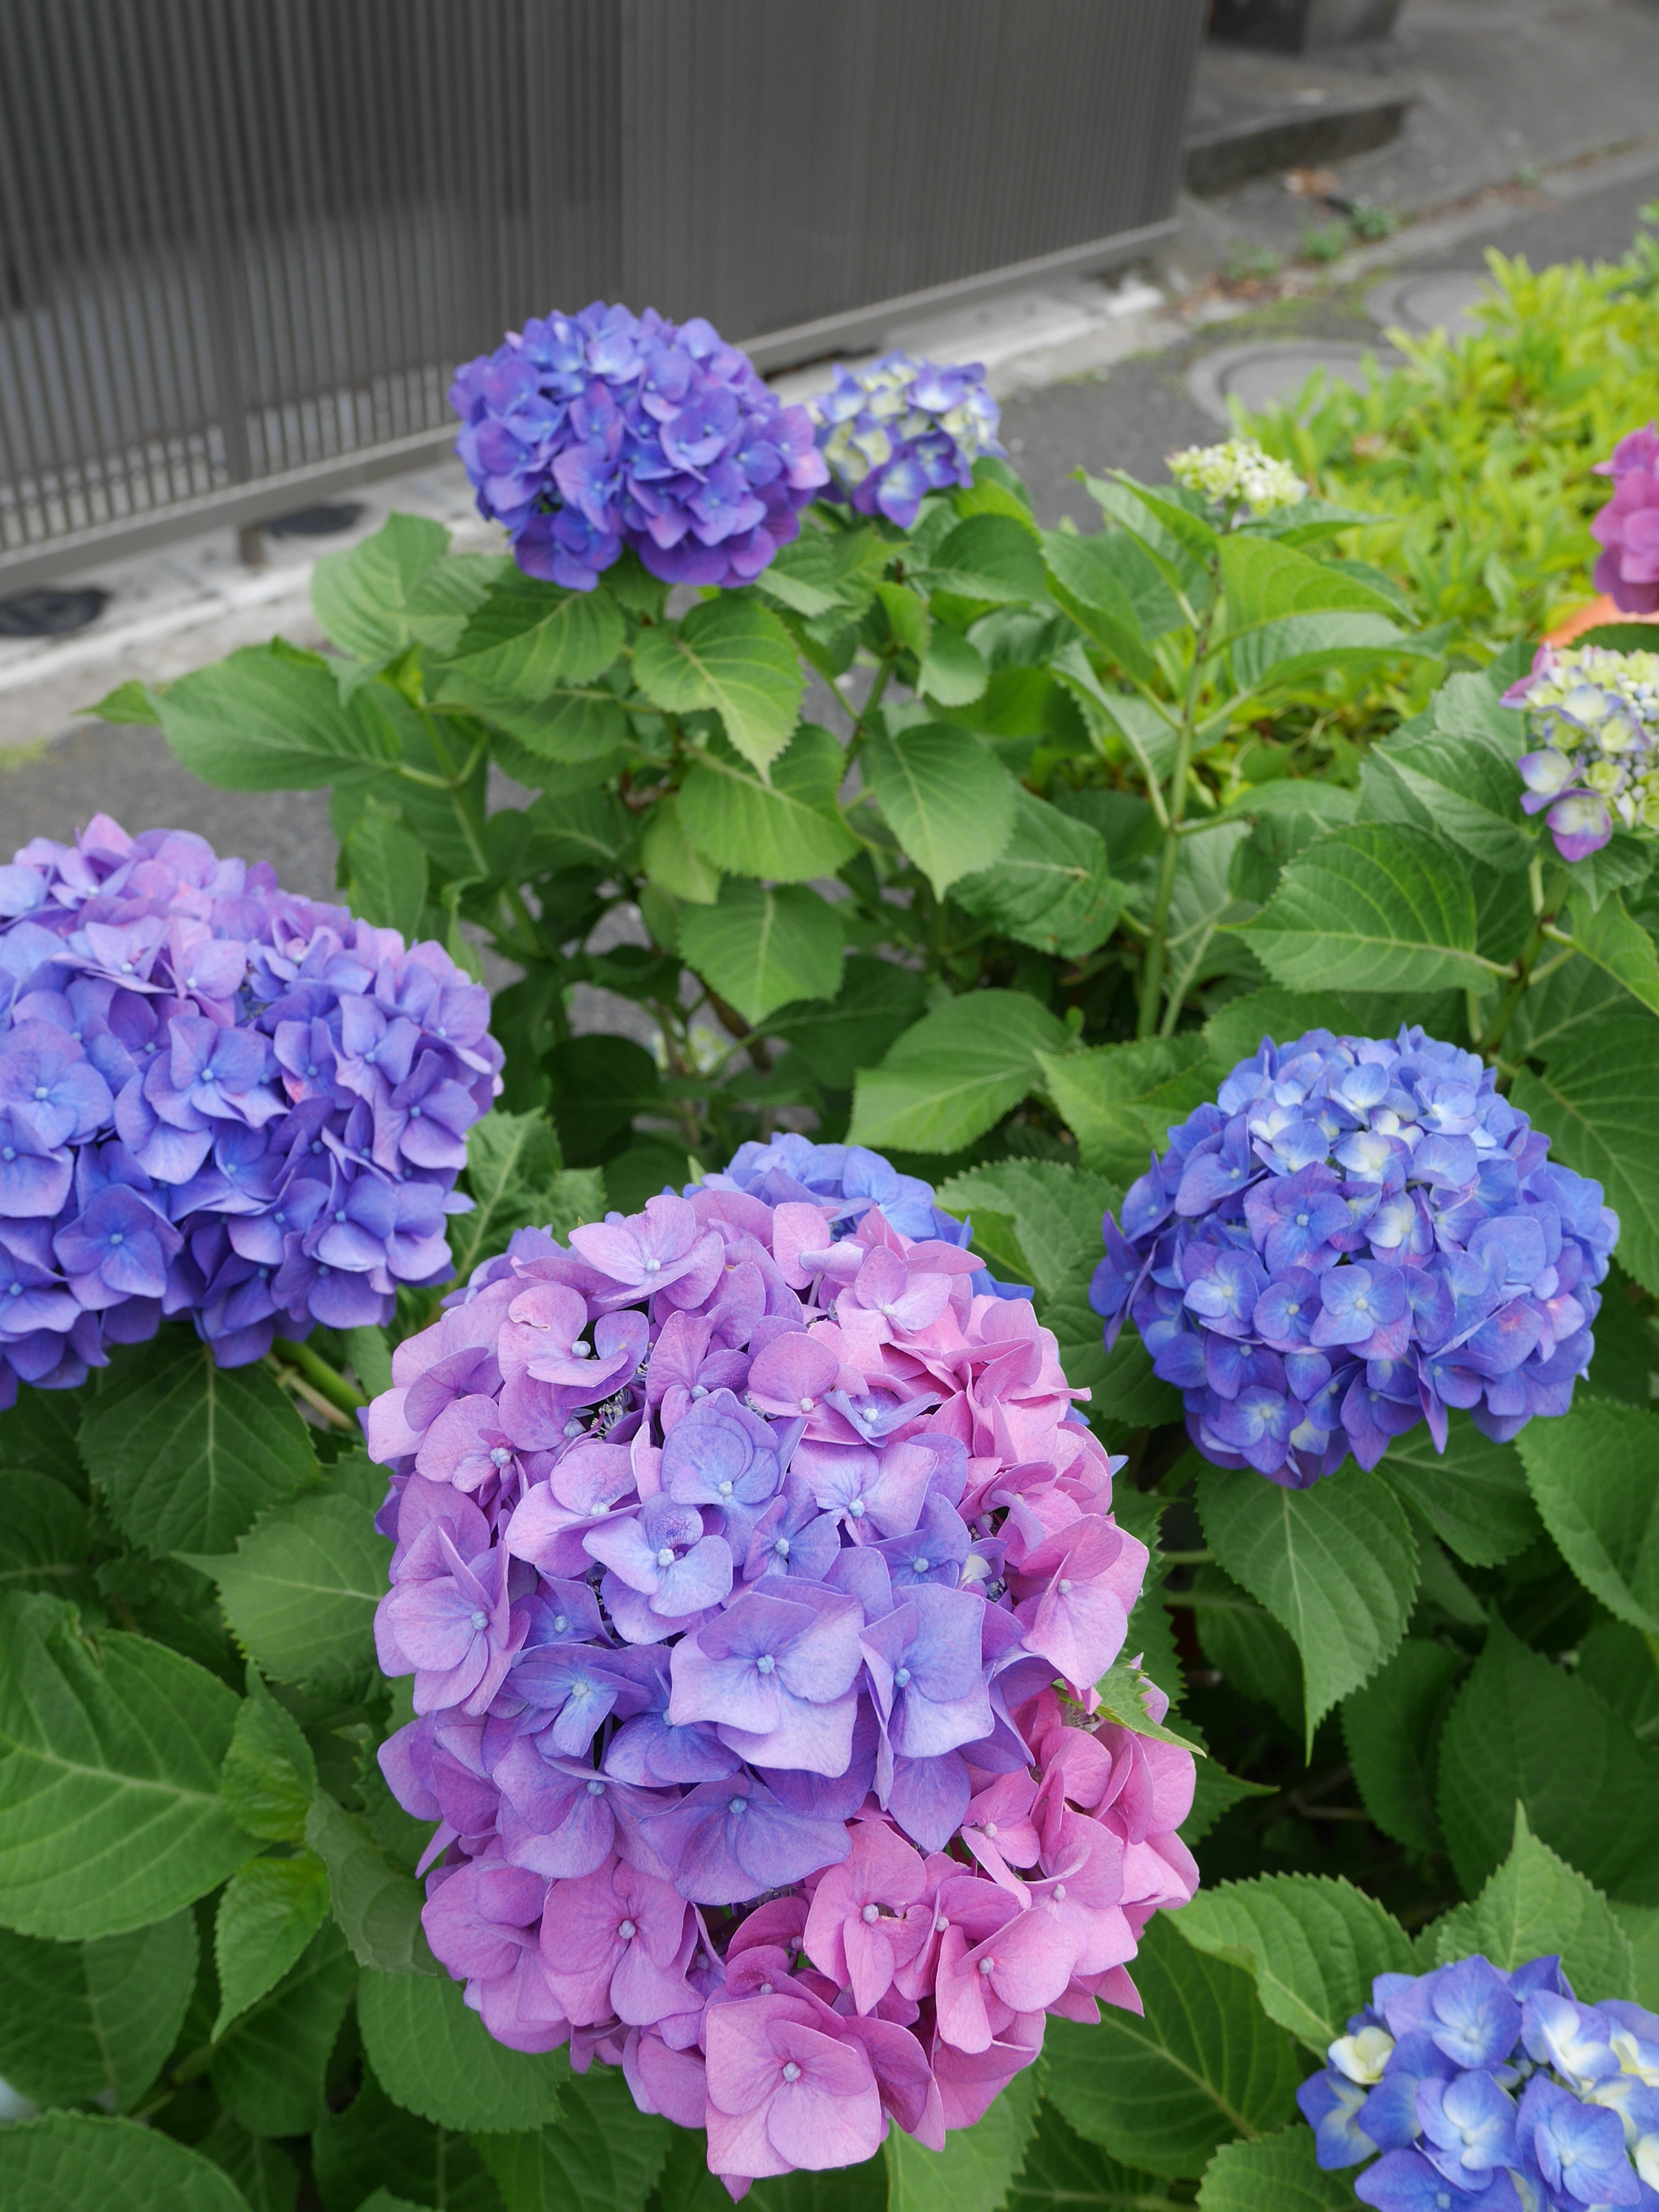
(1302, 648)
(1313, 1945)
(947, 798)
(1062, 2169)
(1535, 1903)
(132, 703)
(671, 861)
(70, 2162)
(953, 673)
(85, 2021)
(1619, 946)
(787, 831)
(1523, 1731)
(1125, 1390)
(989, 557)
(1057, 1211)
(827, 571)
(1265, 580)
(600, 1084)
(734, 655)
(1597, 1100)
(387, 864)
(1475, 1498)
(1392, 1729)
(572, 726)
(1181, 544)
(1595, 1473)
(516, 1180)
(187, 1454)
(301, 1589)
(1622, 863)
(1215, 1792)
(269, 1776)
(1243, 1641)
(907, 617)
(527, 637)
(262, 2170)
(434, 2057)
(1114, 592)
(268, 1914)
(268, 719)
(396, 589)
(600, 2154)
(377, 1903)
(44, 1538)
(1204, 2065)
(267, 2070)
(877, 1002)
(1465, 789)
(1053, 887)
(1369, 908)
(110, 1813)
(1641, 1924)
(1121, 1101)
(374, 2141)
(1281, 2174)
(760, 946)
(972, 2173)
(1122, 1693)
(1336, 1565)
(955, 1072)
(1202, 902)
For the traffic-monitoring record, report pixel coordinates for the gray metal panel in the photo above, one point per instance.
(243, 243)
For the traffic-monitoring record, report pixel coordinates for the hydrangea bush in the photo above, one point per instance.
(747, 1560)
(1356, 1237)
(216, 1100)
(1104, 808)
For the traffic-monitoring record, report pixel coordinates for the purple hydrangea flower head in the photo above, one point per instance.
(584, 433)
(898, 428)
(1491, 2092)
(205, 1088)
(1359, 1234)
(1627, 528)
(745, 1547)
(1595, 716)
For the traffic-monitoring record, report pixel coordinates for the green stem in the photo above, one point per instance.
(1151, 975)
(322, 1377)
(1542, 931)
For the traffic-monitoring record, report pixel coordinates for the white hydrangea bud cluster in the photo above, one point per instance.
(1238, 474)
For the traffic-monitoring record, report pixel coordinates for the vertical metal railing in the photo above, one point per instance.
(243, 242)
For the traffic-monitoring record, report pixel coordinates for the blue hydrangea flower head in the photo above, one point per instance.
(1491, 2092)
(898, 428)
(584, 433)
(1357, 1234)
(216, 1100)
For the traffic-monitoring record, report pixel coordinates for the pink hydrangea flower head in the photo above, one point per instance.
(755, 1569)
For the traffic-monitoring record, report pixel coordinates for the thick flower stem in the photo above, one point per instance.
(1152, 974)
(322, 1377)
(1541, 934)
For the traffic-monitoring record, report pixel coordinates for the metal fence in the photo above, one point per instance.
(243, 242)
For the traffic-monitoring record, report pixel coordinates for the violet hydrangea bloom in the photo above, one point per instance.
(1627, 528)
(1491, 2091)
(804, 1569)
(587, 433)
(216, 1100)
(897, 428)
(1358, 1235)
(1596, 714)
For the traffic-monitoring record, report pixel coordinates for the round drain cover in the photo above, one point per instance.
(1272, 373)
(1437, 299)
(317, 521)
(50, 614)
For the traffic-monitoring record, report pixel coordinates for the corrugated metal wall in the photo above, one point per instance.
(243, 242)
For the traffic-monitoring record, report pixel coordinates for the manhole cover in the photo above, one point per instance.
(317, 521)
(50, 614)
(1438, 300)
(1272, 373)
